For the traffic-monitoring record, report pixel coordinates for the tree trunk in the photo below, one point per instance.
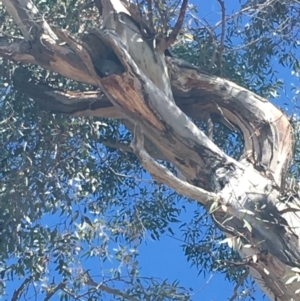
(156, 96)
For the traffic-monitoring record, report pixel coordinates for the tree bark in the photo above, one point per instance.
(156, 96)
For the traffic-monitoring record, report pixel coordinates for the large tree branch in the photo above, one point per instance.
(60, 59)
(267, 133)
(88, 103)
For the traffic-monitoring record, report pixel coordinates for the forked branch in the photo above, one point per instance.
(167, 42)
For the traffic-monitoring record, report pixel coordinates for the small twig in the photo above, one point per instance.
(173, 35)
(220, 60)
(18, 292)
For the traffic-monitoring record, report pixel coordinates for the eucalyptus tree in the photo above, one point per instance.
(178, 98)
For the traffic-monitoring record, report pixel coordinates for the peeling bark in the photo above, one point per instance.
(157, 95)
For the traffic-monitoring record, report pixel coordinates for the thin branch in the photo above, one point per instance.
(173, 35)
(18, 292)
(280, 28)
(236, 14)
(163, 175)
(89, 281)
(58, 287)
(245, 45)
(220, 58)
